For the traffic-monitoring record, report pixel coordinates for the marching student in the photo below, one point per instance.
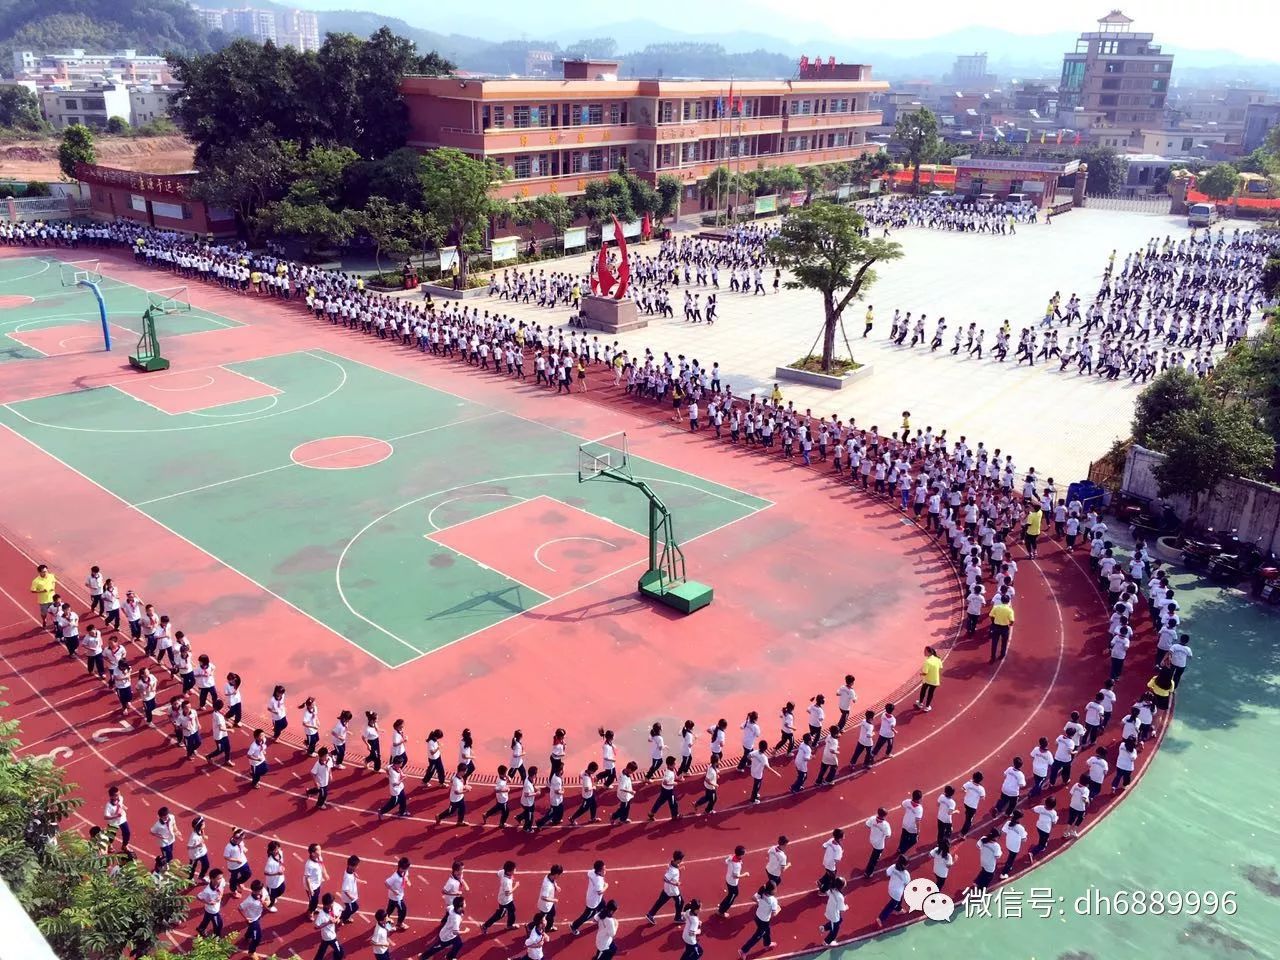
(692, 930)
(252, 908)
(888, 731)
(314, 877)
(1097, 768)
(803, 755)
(555, 800)
(830, 763)
(750, 736)
(197, 850)
(219, 735)
(667, 792)
(516, 769)
(321, 773)
(766, 909)
(912, 812)
(397, 883)
(325, 919)
(670, 890)
(395, 790)
(231, 696)
(165, 830)
(257, 754)
(606, 931)
(817, 715)
(596, 887)
(1011, 788)
(348, 890)
(879, 831)
(310, 725)
(507, 884)
(787, 737)
(717, 735)
(776, 862)
(435, 764)
(211, 899)
(657, 750)
(278, 711)
(380, 937)
(588, 786)
(236, 856)
(549, 896)
(710, 790)
(1126, 760)
(943, 860)
(688, 735)
(988, 856)
(455, 885)
(94, 584)
(116, 814)
(399, 744)
(146, 686)
(833, 912)
(1080, 797)
(866, 739)
(899, 877)
(608, 758)
(535, 936)
(1015, 835)
(759, 763)
(846, 697)
(529, 797)
(206, 678)
(832, 854)
(274, 873)
(458, 788)
(372, 738)
(1046, 816)
(501, 798)
(733, 874)
(338, 739)
(946, 802)
(557, 752)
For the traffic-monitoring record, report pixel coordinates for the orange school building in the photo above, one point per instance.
(556, 136)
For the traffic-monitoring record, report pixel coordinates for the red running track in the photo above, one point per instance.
(983, 716)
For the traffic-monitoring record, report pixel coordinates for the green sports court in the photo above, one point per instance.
(44, 312)
(402, 517)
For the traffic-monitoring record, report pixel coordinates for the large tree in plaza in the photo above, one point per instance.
(458, 191)
(917, 132)
(824, 249)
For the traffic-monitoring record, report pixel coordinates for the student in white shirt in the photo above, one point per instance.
(988, 856)
(458, 788)
(310, 724)
(535, 939)
(776, 862)
(549, 894)
(380, 937)
(606, 931)
(733, 874)
(670, 890)
(1046, 817)
(211, 899)
(338, 739)
(596, 887)
(1011, 787)
(886, 734)
(1126, 760)
(396, 798)
(278, 712)
(766, 909)
(1041, 762)
(397, 883)
(912, 813)
(943, 860)
(899, 877)
(1080, 797)
(325, 919)
(588, 805)
(197, 850)
(116, 815)
(667, 792)
(257, 754)
(846, 697)
(1015, 835)
(758, 760)
(626, 793)
(710, 790)
(878, 833)
(507, 884)
(218, 734)
(235, 855)
(274, 873)
(435, 762)
(252, 908)
(833, 912)
(803, 757)
(165, 830)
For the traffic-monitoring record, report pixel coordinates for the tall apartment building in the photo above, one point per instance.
(298, 28)
(258, 25)
(1115, 78)
(558, 135)
(970, 70)
(72, 66)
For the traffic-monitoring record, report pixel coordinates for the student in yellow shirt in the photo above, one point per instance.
(776, 396)
(930, 678)
(1001, 624)
(43, 586)
(1031, 529)
(870, 322)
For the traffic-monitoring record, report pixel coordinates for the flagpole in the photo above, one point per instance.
(719, 151)
(737, 186)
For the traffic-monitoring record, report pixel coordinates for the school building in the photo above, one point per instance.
(557, 135)
(159, 200)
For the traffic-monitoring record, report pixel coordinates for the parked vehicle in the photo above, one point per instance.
(1198, 552)
(1232, 568)
(1202, 215)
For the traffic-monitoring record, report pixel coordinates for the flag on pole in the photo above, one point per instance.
(981, 134)
(1059, 135)
(1076, 142)
(1042, 136)
(720, 105)
(731, 98)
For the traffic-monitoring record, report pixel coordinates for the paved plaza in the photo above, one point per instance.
(1056, 422)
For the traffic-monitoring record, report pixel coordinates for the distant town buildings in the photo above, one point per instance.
(1259, 118)
(43, 69)
(94, 103)
(288, 28)
(970, 70)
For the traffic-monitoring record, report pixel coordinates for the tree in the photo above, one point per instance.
(1219, 182)
(458, 190)
(312, 224)
(20, 109)
(1271, 279)
(551, 209)
(813, 177)
(245, 175)
(38, 188)
(1250, 374)
(593, 48)
(823, 247)
(76, 148)
(622, 195)
(1106, 171)
(204, 948)
(670, 190)
(118, 126)
(917, 132)
(387, 225)
(717, 185)
(1173, 390)
(1206, 444)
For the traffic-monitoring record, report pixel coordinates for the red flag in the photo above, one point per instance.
(731, 98)
(1059, 136)
(1076, 142)
(981, 133)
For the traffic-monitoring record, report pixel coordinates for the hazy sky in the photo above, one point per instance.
(1247, 27)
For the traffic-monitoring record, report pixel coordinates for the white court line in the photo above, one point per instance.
(208, 382)
(466, 496)
(216, 559)
(28, 276)
(537, 554)
(484, 516)
(342, 382)
(294, 463)
(567, 433)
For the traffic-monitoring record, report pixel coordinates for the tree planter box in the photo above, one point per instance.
(825, 380)
(446, 292)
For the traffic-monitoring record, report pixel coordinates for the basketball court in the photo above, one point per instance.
(46, 311)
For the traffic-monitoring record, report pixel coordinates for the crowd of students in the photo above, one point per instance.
(947, 213)
(973, 500)
(1169, 305)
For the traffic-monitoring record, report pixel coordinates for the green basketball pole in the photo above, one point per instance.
(148, 357)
